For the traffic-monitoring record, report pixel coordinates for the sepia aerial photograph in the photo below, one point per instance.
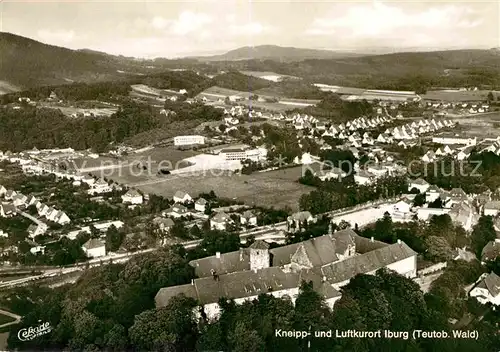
(250, 175)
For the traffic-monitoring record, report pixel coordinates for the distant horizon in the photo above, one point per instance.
(159, 29)
(361, 51)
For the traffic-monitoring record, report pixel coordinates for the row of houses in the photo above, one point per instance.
(412, 131)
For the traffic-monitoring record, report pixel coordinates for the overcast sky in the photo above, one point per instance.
(179, 28)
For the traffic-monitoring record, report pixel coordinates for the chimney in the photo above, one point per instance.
(371, 239)
(217, 255)
(399, 241)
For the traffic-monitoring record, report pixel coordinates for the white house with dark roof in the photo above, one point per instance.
(182, 197)
(132, 197)
(7, 210)
(297, 219)
(420, 184)
(94, 248)
(200, 205)
(164, 224)
(432, 193)
(176, 211)
(328, 261)
(491, 251)
(363, 177)
(219, 221)
(248, 218)
(487, 289)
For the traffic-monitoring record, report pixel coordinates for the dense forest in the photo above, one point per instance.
(49, 128)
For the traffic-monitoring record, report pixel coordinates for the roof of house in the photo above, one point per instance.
(8, 208)
(220, 217)
(236, 285)
(247, 214)
(93, 243)
(259, 244)
(366, 263)
(301, 216)
(420, 182)
(492, 205)
(201, 201)
(491, 282)
(180, 194)
(227, 263)
(458, 193)
(132, 193)
(490, 251)
(167, 222)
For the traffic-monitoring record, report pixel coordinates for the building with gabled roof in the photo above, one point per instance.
(182, 197)
(329, 261)
(94, 248)
(487, 289)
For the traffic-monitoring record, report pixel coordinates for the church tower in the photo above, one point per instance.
(259, 255)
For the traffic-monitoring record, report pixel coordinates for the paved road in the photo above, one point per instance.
(362, 216)
(17, 318)
(31, 217)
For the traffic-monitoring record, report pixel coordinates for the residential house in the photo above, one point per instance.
(19, 200)
(464, 153)
(297, 220)
(248, 218)
(200, 205)
(37, 250)
(7, 210)
(463, 214)
(402, 207)
(132, 197)
(3, 190)
(420, 184)
(219, 221)
(176, 211)
(363, 177)
(491, 251)
(332, 174)
(37, 230)
(98, 187)
(432, 193)
(164, 224)
(429, 157)
(61, 218)
(376, 169)
(94, 248)
(492, 208)
(9, 195)
(182, 197)
(487, 289)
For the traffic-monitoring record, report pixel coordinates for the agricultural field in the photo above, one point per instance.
(481, 125)
(274, 188)
(71, 111)
(456, 96)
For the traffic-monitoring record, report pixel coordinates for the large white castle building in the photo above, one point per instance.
(329, 262)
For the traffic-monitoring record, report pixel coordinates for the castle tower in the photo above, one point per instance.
(259, 255)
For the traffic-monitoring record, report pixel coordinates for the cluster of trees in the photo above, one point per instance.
(332, 195)
(111, 308)
(475, 175)
(338, 110)
(48, 128)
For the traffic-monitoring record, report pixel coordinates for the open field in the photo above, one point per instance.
(129, 173)
(456, 96)
(6, 87)
(275, 188)
(481, 125)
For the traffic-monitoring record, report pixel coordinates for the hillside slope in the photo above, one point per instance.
(275, 52)
(28, 63)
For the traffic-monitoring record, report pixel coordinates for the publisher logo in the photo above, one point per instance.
(31, 333)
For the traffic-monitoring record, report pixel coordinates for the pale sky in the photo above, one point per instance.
(179, 28)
